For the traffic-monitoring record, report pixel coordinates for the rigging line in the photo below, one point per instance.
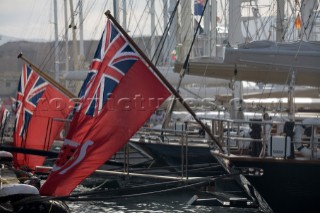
(50, 53)
(246, 22)
(286, 30)
(90, 46)
(258, 32)
(133, 8)
(194, 38)
(161, 15)
(204, 181)
(313, 21)
(303, 25)
(145, 20)
(190, 27)
(38, 20)
(158, 22)
(88, 9)
(195, 181)
(61, 43)
(136, 195)
(139, 21)
(137, 26)
(153, 34)
(166, 33)
(47, 58)
(169, 47)
(74, 196)
(262, 30)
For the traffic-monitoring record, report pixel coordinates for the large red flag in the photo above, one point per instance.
(39, 110)
(117, 97)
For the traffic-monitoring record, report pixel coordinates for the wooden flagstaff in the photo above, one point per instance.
(49, 79)
(163, 79)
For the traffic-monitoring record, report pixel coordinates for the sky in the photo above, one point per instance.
(34, 19)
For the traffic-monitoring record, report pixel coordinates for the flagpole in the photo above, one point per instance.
(163, 79)
(49, 79)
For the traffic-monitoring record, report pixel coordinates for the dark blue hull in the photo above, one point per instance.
(286, 185)
(197, 156)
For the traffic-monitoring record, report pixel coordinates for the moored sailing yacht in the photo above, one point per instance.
(282, 165)
(286, 178)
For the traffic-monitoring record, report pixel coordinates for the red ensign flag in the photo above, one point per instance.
(117, 97)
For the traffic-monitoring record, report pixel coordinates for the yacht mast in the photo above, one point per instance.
(291, 105)
(165, 22)
(56, 43)
(235, 36)
(116, 9)
(124, 14)
(213, 31)
(172, 33)
(74, 39)
(81, 57)
(280, 17)
(153, 28)
(66, 35)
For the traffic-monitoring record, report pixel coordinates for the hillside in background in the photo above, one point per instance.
(41, 54)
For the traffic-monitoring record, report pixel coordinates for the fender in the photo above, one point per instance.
(18, 189)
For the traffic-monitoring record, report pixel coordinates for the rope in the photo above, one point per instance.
(166, 33)
(78, 197)
(135, 195)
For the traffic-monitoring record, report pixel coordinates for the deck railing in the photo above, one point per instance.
(240, 137)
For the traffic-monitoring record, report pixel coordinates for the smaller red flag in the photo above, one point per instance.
(40, 107)
(297, 22)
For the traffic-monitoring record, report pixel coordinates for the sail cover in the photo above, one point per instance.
(117, 97)
(39, 110)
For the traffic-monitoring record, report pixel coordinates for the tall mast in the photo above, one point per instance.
(56, 43)
(153, 28)
(280, 17)
(172, 32)
(74, 41)
(66, 35)
(124, 14)
(116, 9)
(165, 22)
(235, 36)
(291, 105)
(81, 65)
(213, 31)
(206, 21)
(186, 31)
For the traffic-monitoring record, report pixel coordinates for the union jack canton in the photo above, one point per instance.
(113, 59)
(30, 89)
